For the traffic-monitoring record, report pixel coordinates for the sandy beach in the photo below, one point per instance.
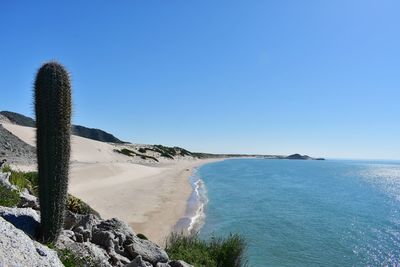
(151, 197)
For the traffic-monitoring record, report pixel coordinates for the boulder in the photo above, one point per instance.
(91, 252)
(118, 260)
(117, 226)
(139, 262)
(105, 239)
(162, 264)
(28, 200)
(72, 221)
(25, 219)
(17, 249)
(4, 181)
(113, 234)
(147, 249)
(179, 264)
(116, 236)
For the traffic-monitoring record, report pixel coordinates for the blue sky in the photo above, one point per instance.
(274, 77)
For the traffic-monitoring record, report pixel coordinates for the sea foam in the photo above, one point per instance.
(195, 215)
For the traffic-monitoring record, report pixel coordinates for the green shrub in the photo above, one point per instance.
(76, 205)
(142, 236)
(8, 198)
(142, 150)
(216, 252)
(69, 259)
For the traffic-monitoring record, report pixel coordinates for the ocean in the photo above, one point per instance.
(302, 213)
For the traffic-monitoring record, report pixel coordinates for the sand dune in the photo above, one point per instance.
(150, 197)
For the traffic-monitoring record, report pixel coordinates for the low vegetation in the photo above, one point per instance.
(130, 153)
(70, 259)
(8, 198)
(22, 180)
(216, 252)
(29, 180)
(76, 205)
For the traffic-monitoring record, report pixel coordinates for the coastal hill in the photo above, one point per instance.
(146, 153)
(91, 133)
(302, 157)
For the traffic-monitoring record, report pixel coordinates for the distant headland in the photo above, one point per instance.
(293, 156)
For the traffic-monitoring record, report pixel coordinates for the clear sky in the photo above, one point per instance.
(273, 77)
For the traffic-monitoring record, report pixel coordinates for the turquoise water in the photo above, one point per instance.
(306, 213)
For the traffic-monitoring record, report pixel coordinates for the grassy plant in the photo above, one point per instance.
(22, 180)
(216, 252)
(6, 168)
(8, 198)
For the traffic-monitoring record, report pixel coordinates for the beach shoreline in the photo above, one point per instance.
(150, 197)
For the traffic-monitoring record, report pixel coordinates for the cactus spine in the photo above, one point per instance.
(53, 122)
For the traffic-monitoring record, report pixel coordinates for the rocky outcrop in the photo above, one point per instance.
(28, 200)
(25, 219)
(98, 242)
(114, 237)
(179, 264)
(17, 249)
(5, 181)
(14, 149)
(86, 250)
(139, 262)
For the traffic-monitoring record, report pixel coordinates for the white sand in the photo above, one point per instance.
(152, 197)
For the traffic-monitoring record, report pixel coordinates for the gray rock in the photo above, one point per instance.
(86, 234)
(162, 264)
(87, 222)
(4, 181)
(117, 259)
(14, 149)
(87, 251)
(28, 200)
(117, 226)
(17, 249)
(179, 264)
(139, 262)
(148, 250)
(106, 239)
(25, 219)
(73, 221)
(68, 233)
(113, 234)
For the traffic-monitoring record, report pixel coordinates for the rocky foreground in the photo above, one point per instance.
(92, 240)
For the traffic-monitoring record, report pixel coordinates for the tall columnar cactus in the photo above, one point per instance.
(53, 122)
